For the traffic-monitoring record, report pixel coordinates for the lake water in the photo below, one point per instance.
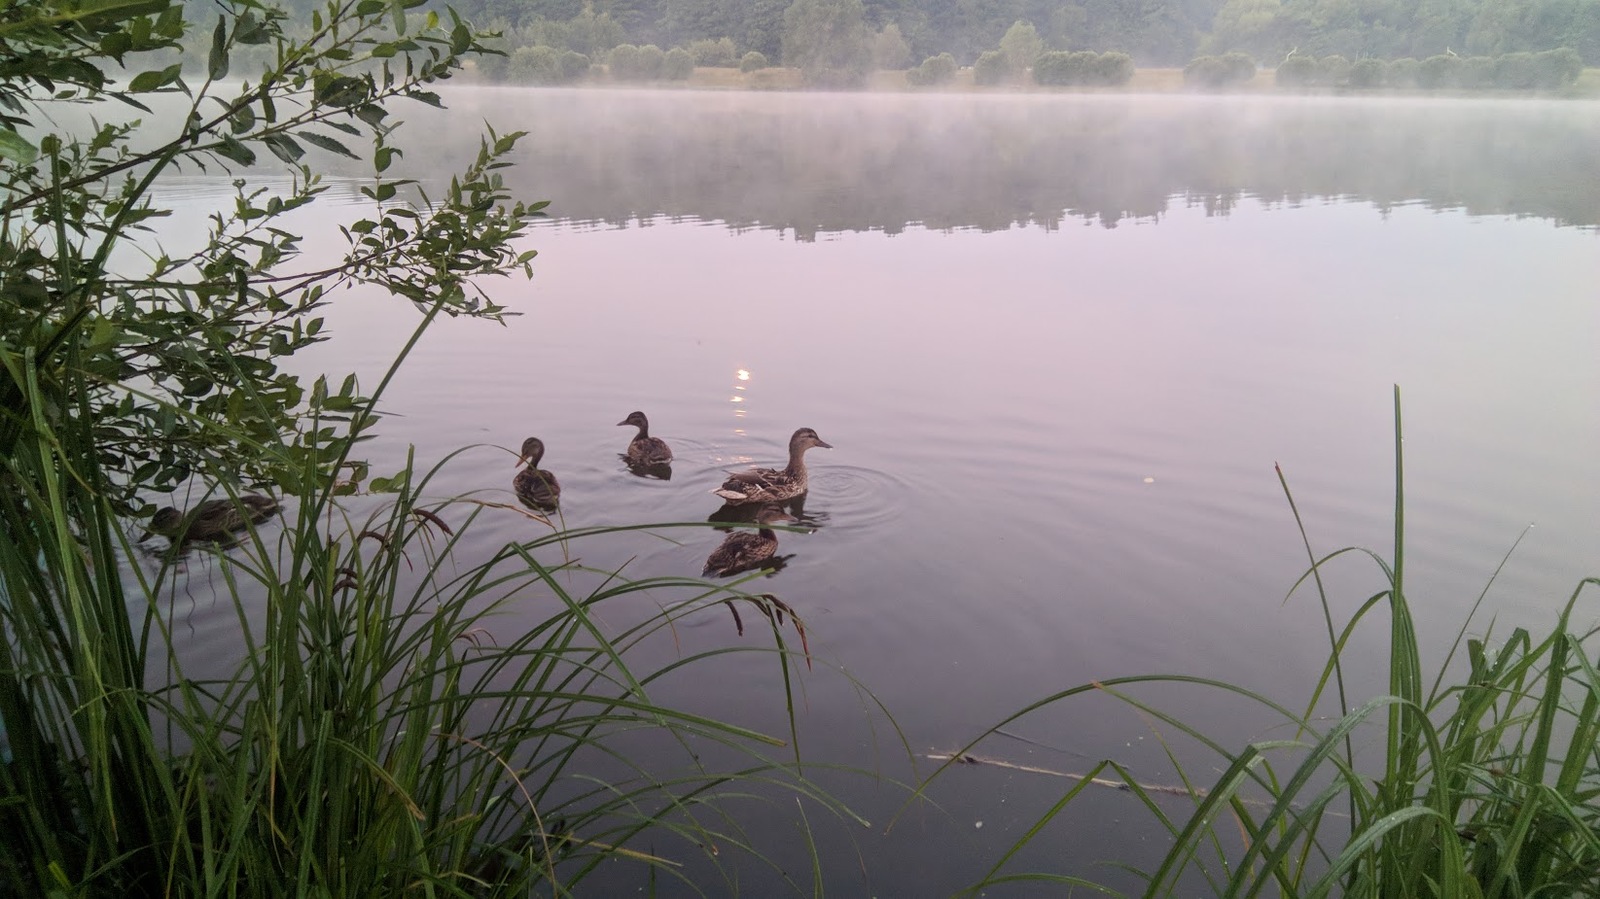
(1058, 344)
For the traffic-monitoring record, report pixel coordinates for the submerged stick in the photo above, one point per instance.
(970, 759)
(1124, 786)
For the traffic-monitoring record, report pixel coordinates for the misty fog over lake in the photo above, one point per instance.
(1058, 344)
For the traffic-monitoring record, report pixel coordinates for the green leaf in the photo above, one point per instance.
(15, 147)
(145, 81)
(249, 30)
(372, 114)
(232, 149)
(154, 79)
(219, 50)
(397, 14)
(284, 147)
(325, 142)
(116, 44)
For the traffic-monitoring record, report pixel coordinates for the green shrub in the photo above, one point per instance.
(1082, 64)
(1207, 72)
(1051, 68)
(1113, 69)
(535, 65)
(1215, 72)
(1557, 68)
(1333, 71)
(1440, 72)
(1084, 67)
(1405, 73)
(1367, 73)
(934, 70)
(623, 61)
(574, 65)
(652, 60)
(678, 65)
(1476, 73)
(1241, 67)
(753, 61)
(991, 68)
(1298, 70)
(719, 53)
(1516, 71)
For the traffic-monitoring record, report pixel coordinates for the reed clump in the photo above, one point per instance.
(1485, 784)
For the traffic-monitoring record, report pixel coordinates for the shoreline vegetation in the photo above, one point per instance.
(1144, 80)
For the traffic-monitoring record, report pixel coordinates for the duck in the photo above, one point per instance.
(644, 451)
(771, 485)
(742, 550)
(534, 486)
(213, 521)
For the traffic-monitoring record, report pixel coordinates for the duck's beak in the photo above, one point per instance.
(824, 444)
(621, 423)
(147, 535)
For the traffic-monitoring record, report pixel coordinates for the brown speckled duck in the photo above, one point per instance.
(771, 485)
(535, 487)
(644, 451)
(743, 550)
(213, 521)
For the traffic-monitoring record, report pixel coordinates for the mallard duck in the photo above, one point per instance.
(213, 521)
(742, 551)
(770, 485)
(534, 486)
(644, 451)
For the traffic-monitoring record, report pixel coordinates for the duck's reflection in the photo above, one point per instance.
(661, 471)
(744, 550)
(740, 513)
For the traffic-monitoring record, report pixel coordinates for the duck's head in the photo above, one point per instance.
(532, 451)
(636, 419)
(804, 439)
(772, 513)
(165, 521)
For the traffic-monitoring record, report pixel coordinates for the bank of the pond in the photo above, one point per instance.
(1144, 81)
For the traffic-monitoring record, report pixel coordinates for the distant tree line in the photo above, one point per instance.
(1549, 70)
(840, 41)
(1153, 32)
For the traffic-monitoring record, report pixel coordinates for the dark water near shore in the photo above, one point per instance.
(1058, 344)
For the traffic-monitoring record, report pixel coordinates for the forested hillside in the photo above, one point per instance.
(1155, 32)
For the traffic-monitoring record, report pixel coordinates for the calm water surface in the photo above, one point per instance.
(1058, 344)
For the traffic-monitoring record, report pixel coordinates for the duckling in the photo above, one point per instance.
(213, 521)
(742, 550)
(769, 485)
(536, 488)
(644, 451)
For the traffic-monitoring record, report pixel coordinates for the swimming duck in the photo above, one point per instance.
(213, 521)
(644, 451)
(769, 485)
(742, 551)
(535, 487)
